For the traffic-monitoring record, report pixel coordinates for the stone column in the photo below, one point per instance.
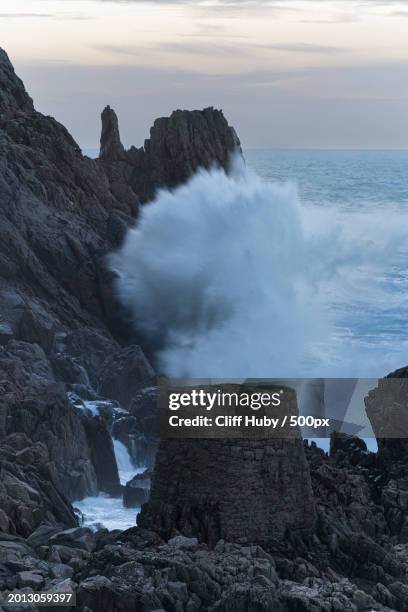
(241, 490)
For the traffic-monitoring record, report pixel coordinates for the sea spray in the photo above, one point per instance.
(227, 276)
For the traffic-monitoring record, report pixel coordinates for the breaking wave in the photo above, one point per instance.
(228, 276)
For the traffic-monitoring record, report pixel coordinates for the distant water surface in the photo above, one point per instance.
(345, 179)
(364, 189)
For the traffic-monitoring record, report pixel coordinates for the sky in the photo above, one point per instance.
(287, 73)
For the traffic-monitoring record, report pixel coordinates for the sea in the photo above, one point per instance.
(363, 195)
(367, 191)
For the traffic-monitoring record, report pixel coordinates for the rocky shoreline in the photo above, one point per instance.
(73, 376)
(357, 559)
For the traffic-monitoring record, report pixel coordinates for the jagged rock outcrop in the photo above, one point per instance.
(112, 148)
(387, 409)
(182, 143)
(178, 146)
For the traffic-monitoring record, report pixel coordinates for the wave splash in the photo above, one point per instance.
(228, 276)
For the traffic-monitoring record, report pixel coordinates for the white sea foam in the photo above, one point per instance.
(232, 277)
(105, 511)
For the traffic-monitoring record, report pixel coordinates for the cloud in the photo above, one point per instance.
(24, 15)
(193, 48)
(303, 48)
(399, 14)
(335, 19)
(217, 49)
(56, 16)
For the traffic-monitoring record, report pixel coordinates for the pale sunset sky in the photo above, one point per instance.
(287, 73)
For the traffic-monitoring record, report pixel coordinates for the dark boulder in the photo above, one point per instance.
(144, 408)
(136, 491)
(77, 537)
(123, 374)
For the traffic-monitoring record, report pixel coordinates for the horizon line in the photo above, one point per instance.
(401, 149)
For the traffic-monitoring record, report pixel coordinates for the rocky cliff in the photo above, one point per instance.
(60, 214)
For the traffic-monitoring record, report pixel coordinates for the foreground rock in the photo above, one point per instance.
(352, 562)
(138, 571)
